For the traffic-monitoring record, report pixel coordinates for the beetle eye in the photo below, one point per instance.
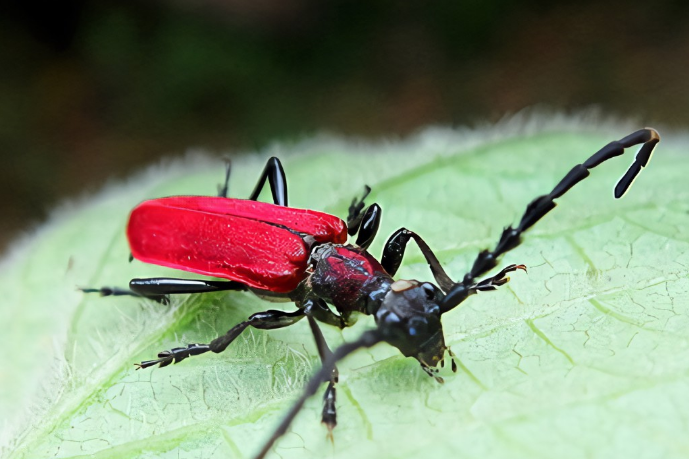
(429, 290)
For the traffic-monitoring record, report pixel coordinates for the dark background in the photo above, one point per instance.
(91, 90)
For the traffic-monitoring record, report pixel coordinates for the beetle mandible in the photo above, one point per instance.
(302, 256)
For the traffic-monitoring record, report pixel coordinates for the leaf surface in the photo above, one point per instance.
(586, 356)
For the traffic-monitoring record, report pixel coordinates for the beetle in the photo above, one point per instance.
(283, 253)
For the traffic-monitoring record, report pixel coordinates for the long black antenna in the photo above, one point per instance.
(539, 207)
(368, 339)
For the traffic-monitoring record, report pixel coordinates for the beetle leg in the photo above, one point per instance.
(368, 228)
(275, 175)
(320, 311)
(329, 414)
(394, 252)
(267, 320)
(461, 292)
(156, 286)
(356, 212)
(539, 207)
(492, 283)
(116, 291)
(362, 223)
(223, 190)
(368, 339)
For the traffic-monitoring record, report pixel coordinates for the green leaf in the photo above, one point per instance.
(586, 356)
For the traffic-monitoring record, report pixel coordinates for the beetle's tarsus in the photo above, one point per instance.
(355, 212)
(329, 415)
(431, 371)
(146, 364)
(117, 291)
(174, 355)
(492, 283)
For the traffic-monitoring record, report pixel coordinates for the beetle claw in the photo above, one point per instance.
(146, 364)
(330, 435)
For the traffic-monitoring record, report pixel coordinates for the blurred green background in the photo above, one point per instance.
(92, 90)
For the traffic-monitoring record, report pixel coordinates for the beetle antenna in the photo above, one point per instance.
(368, 339)
(510, 238)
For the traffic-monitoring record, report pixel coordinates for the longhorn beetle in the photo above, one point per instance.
(302, 256)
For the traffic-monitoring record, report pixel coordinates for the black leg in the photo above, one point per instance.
(329, 413)
(539, 207)
(461, 292)
(368, 339)
(156, 286)
(224, 189)
(394, 252)
(275, 175)
(267, 320)
(356, 213)
(394, 249)
(116, 291)
(363, 223)
(319, 310)
(368, 228)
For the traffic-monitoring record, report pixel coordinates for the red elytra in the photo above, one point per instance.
(252, 242)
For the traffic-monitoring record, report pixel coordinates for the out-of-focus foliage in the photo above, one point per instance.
(92, 89)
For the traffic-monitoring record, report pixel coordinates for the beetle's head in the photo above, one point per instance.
(409, 319)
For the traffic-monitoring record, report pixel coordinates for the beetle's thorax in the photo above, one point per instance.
(407, 312)
(348, 277)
